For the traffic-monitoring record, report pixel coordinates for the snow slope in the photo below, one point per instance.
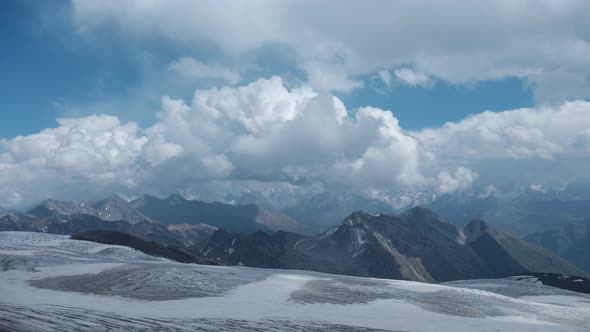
(51, 283)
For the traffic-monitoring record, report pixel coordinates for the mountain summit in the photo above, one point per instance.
(416, 245)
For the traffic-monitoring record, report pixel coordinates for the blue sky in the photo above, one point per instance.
(45, 66)
(49, 71)
(250, 96)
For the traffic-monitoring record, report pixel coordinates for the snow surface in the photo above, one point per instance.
(51, 283)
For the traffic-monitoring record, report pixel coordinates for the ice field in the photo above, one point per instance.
(51, 283)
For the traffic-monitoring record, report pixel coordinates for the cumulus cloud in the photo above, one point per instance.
(545, 43)
(95, 152)
(264, 132)
(271, 133)
(191, 67)
(461, 180)
(528, 133)
(259, 132)
(544, 144)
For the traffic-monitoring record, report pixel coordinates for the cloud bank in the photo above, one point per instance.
(266, 133)
(337, 43)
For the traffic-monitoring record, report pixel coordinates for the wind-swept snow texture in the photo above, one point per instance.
(51, 283)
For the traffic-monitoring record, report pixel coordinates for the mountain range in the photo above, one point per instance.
(174, 210)
(173, 220)
(417, 245)
(519, 210)
(243, 218)
(109, 209)
(78, 223)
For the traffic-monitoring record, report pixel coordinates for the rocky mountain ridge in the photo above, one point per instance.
(174, 210)
(417, 245)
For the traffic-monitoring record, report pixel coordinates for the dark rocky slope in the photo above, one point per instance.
(177, 235)
(417, 245)
(147, 247)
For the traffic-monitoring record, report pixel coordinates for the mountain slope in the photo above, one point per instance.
(147, 247)
(417, 245)
(175, 209)
(258, 249)
(571, 241)
(78, 223)
(525, 256)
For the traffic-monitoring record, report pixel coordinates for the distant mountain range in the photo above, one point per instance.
(174, 210)
(173, 220)
(417, 245)
(323, 211)
(78, 223)
(109, 209)
(520, 210)
(243, 218)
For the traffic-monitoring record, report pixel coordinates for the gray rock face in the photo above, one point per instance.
(417, 245)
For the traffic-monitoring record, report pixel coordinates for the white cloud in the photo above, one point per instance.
(545, 43)
(264, 132)
(532, 144)
(80, 155)
(191, 67)
(461, 180)
(258, 132)
(412, 78)
(270, 133)
(541, 133)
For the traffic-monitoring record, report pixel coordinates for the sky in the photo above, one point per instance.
(209, 98)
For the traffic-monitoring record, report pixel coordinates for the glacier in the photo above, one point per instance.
(52, 283)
